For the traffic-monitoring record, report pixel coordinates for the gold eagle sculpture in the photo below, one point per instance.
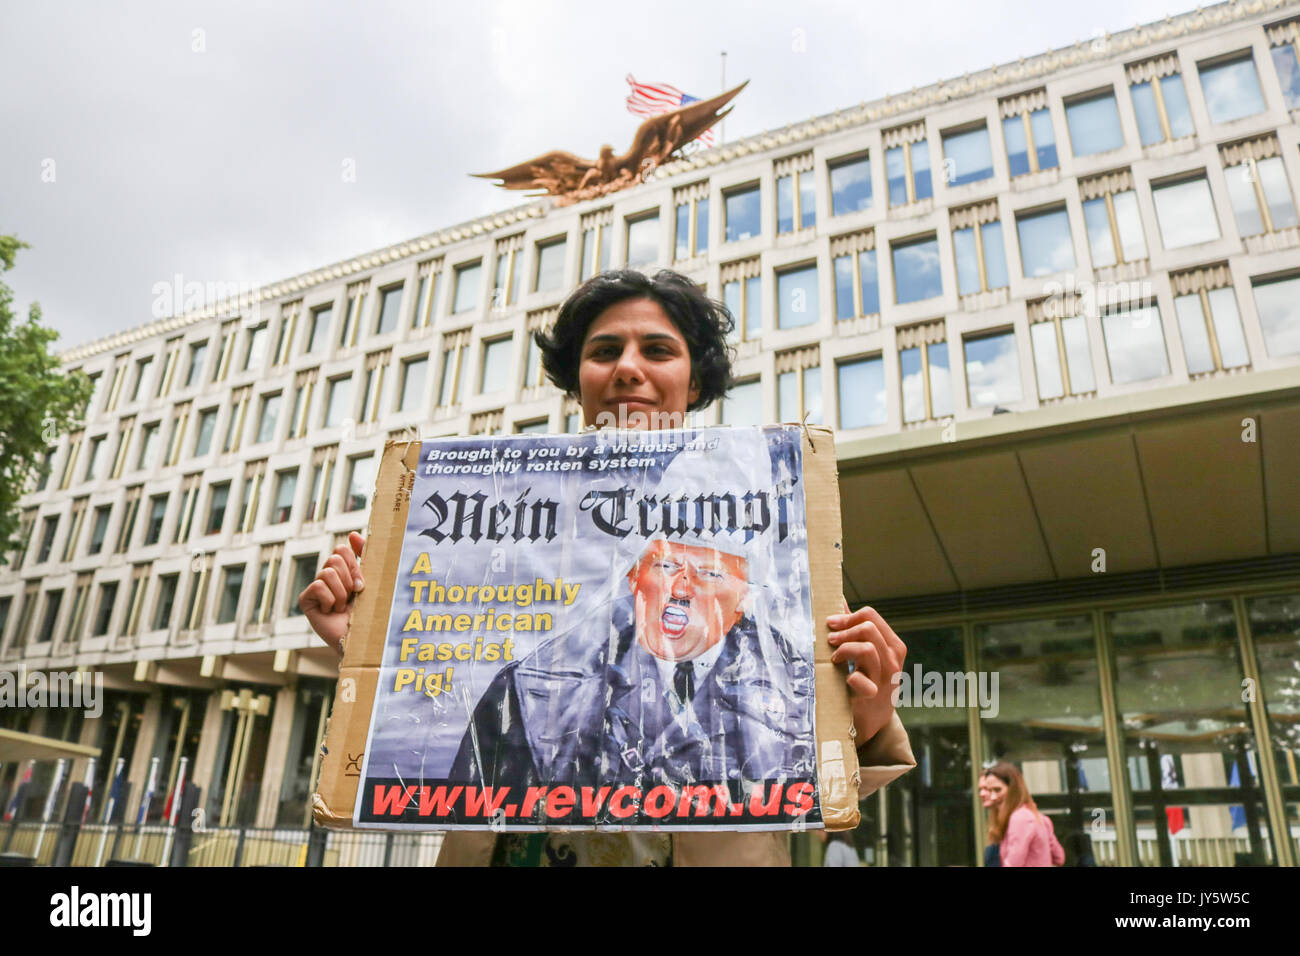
(572, 178)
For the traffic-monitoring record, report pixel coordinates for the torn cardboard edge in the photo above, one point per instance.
(346, 733)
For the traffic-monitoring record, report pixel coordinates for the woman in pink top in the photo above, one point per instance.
(1026, 837)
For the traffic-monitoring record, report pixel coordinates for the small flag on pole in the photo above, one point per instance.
(1169, 781)
(651, 99)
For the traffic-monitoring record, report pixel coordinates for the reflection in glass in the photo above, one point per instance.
(1094, 125)
(992, 369)
(1232, 90)
(1135, 345)
(850, 186)
(862, 392)
(916, 270)
(643, 240)
(743, 214)
(796, 291)
(1278, 305)
(1275, 629)
(970, 155)
(1185, 213)
(1045, 243)
(743, 404)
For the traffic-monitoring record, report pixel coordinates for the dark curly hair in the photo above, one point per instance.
(704, 323)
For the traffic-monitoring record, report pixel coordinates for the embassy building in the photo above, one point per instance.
(1052, 310)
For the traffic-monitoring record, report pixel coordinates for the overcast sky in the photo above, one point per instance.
(140, 140)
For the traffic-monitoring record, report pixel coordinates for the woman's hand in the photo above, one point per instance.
(877, 654)
(327, 601)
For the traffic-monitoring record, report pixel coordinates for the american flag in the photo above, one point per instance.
(651, 99)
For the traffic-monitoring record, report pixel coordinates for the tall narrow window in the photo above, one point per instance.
(268, 417)
(743, 404)
(924, 373)
(980, 252)
(126, 532)
(796, 194)
(550, 265)
(1159, 100)
(1110, 211)
(125, 429)
(304, 387)
(1058, 334)
(75, 441)
(742, 212)
(255, 348)
(508, 278)
(356, 305)
(119, 379)
(218, 497)
(148, 446)
(742, 294)
(288, 328)
(1231, 87)
(229, 333)
(254, 473)
(1284, 41)
(992, 369)
(967, 155)
(1258, 187)
(796, 296)
(338, 401)
(268, 573)
(320, 327)
(1277, 300)
(415, 371)
(850, 184)
(154, 522)
(239, 400)
(495, 375)
(643, 239)
(425, 289)
(452, 385)
(361, 482)
(1208, 321)
(322, 479)
(1028, 133)
(98, 531)
(1094, 123)
(907, 164)
(597, 228)
(372, 395)
(166, 379)
(80, 607)
(232, 583)
(534, 374)
(207, 427)
(691, 221)
(78, 514)
(857, 284)
(799, 385)
(142, 368)
(286, 486)
(390, 307)
(862, 392)
(189, 504)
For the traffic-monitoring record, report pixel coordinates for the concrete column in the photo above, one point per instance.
(205, 759)
(91, 728)
(277, 753)
(1204, 770)
(138, 772)
(37, 726)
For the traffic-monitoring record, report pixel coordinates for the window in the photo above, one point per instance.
(128, 520)
(468, 279)
(207, 425)
(414, 373)
(980, 253)
(74, 531)
(857, 284)
(907, 165)
(125, 428)
(304, 572)
(43, 470)
(796, 297)
(198, 352)
(1027, 130)
(742, 294)
(141, 373)
(104, 609)
(49, 527)
(451, 388)
(322, 477)
(1231, 88)
(99, 529)
(197, 597)
(1257, 186)
(173, 349)
(175, 438)
(231, 584)
(53, 601)
(1059, 337)
(70, 463)
(742, 209)
(596, 242)
(1278, 303)
(320, 326)
(162, 612)
(850, 184)
(263, 605)
(925, 377)
(799, 386)
(691, 221)
(268, 417)
(229, 331)
(796, 195)
(643, 240)
(540, 427)
(92, 462)
(1159, 100)
(356, 295)
(338, 401)
(992, 369)
(743, 404)
(534, 374)
(77, 619)
(495, 375)
(288, 326)
(376, 367)
(189, 504)
(218, 497)
(148, 446)
(286, 486)
(157, 515)
(550, 265)
(239, 399)
(862, 392)
(252, 492)
(1110, 213)
(1185, 212)
(304, 387)
(509, 275)
(1285, 41)
(1094, 123)
(115, 390)
(422, 315)
(967, 155)
(96, 382)
(361, 482)
(256, 350)
(1045, 242)
(916, 270)
(1208, 320)
(1135, 344)
(390, 307)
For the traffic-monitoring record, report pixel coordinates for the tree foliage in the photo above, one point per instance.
(38, 401)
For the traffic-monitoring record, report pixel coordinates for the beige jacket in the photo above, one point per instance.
(885, 757)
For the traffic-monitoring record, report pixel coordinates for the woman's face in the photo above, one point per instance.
(992, 790)
(635, 369)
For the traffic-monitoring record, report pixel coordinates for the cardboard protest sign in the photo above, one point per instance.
(608, 631)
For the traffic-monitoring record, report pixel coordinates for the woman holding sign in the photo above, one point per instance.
(641, 352)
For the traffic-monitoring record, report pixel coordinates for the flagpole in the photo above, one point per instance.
(50, 798)
(722, 126)
(113, 790)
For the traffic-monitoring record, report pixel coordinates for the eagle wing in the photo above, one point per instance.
(555, 173)
(665, 133)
